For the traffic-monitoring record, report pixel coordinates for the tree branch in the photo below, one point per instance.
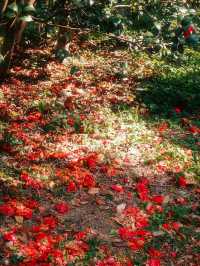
(36, 20)
(4, 6)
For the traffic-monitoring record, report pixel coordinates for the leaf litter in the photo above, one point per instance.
(85, 180)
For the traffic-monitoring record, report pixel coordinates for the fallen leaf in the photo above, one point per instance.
(121, 207)
(19, 219)
(93, 191)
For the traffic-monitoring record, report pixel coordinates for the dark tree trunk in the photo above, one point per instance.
(11, 38)
(62, 38)
(7, 50)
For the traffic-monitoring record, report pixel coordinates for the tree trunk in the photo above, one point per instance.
(62, 38)
(3, 6)
(7, 50)
(22, 25)
(12, 38)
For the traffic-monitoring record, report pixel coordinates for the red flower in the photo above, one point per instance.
(173, 254)
(80, 235)
(166, 226)
(36, 228)
(110, 261)
(139, 217)
(29, 181)
(129, 234)
(24, 212)
(126, 233)
(143, 190)
(189, 31)
(88, 181)
(30, 251)
(25, 177)
(151, 209)
(182, 181)
(153, 262)
(9, 236)
(129, 263)
(32, 204)
(154, 252)
(58, 257)
(71, 122)
(92, 161)
(158, 199)
(33, 156)
(62, 207)
(141, 221)
(50, 221)
(137, 243)
(177, 110)
(117, 188)
(163, 127)
(34, 117)
(71, 187)
(176, 226)
(41, 236)
(194, 129)
(5, 209)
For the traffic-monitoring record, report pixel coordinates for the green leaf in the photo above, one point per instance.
(74, 70)
(15, 259)
(42, 107)
(193, 40)
(10, 14)
(182, 10)
(61, 54)
(91, 2)
(1, 59)
(27, 18)
(29, 9)
(158, 26)
(13, 7)
(77, 2)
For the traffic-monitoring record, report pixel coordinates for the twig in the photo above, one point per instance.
(4, 23)
(4, 6)
(59, 26)
(120, 38)
(121, 6)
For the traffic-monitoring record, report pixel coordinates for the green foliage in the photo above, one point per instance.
(179, 212)
(19, 11)
(15, 259)
(156, 221)
(1, 59)
(93, 248)
(54, 124)
(149, 24)
(61, 54)
(175, 83)
(12, 140)
(74, 70)
(29, 9)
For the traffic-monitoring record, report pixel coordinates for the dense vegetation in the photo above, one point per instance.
(139, 23)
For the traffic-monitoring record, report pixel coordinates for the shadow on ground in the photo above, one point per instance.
(164, 94)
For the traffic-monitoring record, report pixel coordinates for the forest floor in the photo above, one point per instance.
(99, 160)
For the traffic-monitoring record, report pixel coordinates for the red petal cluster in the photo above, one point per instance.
(62, 207)
(117, 188)
(30, 182)
(182, 181)
(142, 189)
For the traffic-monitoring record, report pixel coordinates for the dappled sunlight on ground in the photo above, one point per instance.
(88, 175)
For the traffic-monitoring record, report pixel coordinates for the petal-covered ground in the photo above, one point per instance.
(88, 175)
